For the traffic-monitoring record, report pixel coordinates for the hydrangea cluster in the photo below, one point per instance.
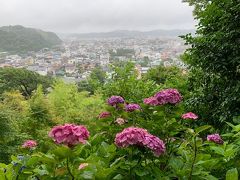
(151, 101)
(155, 144)
(29, 144)
(215, 138)
(171, 96)
(140, 137)
(189, 115)
(69, 134)
(167, 96)
(115, 100)
(104, 115)
(120, 121)
(132, 107)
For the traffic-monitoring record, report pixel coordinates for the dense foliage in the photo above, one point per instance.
(214, 61)
(132, 141)
(168, 76)
(135, 129)
(94, 82)
(124, 82)
(23, 80)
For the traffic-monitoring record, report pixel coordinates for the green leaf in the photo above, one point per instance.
(210, 177)
(202, 128)
(142, 172)
(218, 150)
(62, 152)
(116, 161)
(230, 124)
(41, 172)
(87, 175)
(119, 176)
(176, 163)
(232, 174)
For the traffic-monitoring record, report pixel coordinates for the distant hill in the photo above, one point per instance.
(129, 34)
(19, 39)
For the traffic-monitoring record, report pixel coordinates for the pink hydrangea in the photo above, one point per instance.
(130, 136)
(132, 107)
(29, 144)
(104, 115)
(140, 137)
(151, 101)
(115, 100)
(215, 138)
(189, 115)
(82, 166)
(155, 144)
(171, 96)
(120, 121)
(69, 134)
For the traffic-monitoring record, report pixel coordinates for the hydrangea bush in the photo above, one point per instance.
(148, 140)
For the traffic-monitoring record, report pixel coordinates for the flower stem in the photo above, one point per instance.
(194, 157)
(131, 158)
(68, 168)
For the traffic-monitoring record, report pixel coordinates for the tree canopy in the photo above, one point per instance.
(214, 60)
(21, 79)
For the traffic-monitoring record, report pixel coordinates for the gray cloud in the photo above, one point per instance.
(96, 15)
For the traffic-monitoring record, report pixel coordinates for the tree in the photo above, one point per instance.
(214, 60)
(169, 77)
(95, 81)
(14, 110)
(69, 105)
(124, 82)
(21, 79)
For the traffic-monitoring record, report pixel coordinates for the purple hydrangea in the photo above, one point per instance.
(215, 138)
(151, 101)
(140, 137)
(115, 100)
(168, 96)
(132, 107)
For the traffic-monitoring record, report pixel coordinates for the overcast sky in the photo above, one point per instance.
(68, 16)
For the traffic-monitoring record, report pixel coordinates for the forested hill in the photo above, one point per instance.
(19, 39)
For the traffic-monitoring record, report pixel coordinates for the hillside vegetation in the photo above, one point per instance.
(19, 39)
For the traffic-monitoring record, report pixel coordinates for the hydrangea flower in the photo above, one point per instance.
(82, 166)
(167, 96)
(120, 121)
(151, 101)
(130, 136)
(215, 138)
(104, 115)
(29, 144)
(69, 134)
(189, 115)
(155, 144)
(171, 96)
(115, 100)
(132, 107)
(140, 137)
